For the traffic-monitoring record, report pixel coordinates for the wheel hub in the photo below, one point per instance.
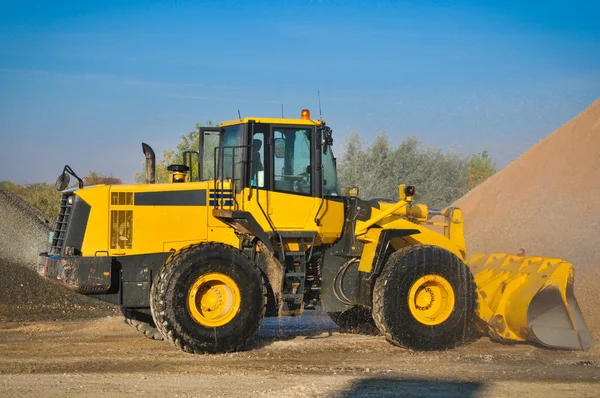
(214, 299)
(210, 300)
(425, 299)
(431, 299)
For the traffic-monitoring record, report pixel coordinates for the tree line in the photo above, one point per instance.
(441, 176)
(45, 197)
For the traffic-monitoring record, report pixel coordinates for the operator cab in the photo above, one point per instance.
(281, 155)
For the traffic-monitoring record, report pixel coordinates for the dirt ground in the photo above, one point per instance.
(301, 357)
(57, 343)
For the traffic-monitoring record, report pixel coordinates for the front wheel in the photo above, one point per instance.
(208, 298)
(425, 299)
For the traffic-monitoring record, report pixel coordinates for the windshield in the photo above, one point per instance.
(292, 160)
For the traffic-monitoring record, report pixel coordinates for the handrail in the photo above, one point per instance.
(219, 170)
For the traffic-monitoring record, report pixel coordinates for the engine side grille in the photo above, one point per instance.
(121, 233)
(60, 229)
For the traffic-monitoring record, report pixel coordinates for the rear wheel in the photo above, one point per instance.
(357, 319)
(142, 322)
(425, 299)
(208, 298)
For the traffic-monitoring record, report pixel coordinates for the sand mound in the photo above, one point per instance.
(547, 202)
(24, 295)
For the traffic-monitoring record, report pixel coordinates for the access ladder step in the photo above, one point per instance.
(295, 274)
(295, 254)
(293, 296)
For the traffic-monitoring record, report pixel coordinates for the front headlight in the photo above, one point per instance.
(70, 199)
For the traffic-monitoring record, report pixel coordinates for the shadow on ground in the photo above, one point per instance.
(398, 387)
(310, 325)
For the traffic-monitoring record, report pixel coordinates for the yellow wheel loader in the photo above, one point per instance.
(259, 226)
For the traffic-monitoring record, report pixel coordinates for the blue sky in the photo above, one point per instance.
(84, 83)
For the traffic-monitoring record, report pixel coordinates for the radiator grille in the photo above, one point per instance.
(60, 229)
(121, 231)
(121, 198)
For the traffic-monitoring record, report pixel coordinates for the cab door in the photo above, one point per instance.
(209, 140)
(292, 197)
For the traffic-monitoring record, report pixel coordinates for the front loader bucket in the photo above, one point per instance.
(527, 298)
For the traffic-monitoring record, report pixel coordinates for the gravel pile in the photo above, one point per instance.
(23, 229)
(548, 203)
(24, 295)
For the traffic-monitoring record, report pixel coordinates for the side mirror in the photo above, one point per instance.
(327, 139)
(279, 148)
(62, 182)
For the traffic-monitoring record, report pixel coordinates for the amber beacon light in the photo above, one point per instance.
(305, 115)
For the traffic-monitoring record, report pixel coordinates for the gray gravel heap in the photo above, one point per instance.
(24, 295)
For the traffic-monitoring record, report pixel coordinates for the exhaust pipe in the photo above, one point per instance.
(150, 163)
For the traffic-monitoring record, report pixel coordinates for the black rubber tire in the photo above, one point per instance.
(390, 299)
(169, 298)
(357, 320)
(143, 323)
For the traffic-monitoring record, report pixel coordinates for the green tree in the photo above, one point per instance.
(188, 142)
(43, 196)
(479, 168)
(440, 176)
(96, 178)
(351, 164)
(46, 198)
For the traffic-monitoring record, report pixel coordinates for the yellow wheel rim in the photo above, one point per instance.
(214, 300)
(431, 300)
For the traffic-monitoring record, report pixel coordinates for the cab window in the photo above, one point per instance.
(258, 161)
(330, 182)
(231, 137)
(292, 160)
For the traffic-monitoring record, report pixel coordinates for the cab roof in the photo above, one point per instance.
(273, 120)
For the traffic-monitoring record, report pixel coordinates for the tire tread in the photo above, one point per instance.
(406, 258)
(158, 305)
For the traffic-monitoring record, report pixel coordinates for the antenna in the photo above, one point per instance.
(282, 111)
(239, 114)
(320, 114)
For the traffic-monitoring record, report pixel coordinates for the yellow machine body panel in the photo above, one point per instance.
(273, 120)
(289, 212)
(286, 211)
(126, 226)
(404, 215)
(96, 240)
(142, 219)
(425, 235)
